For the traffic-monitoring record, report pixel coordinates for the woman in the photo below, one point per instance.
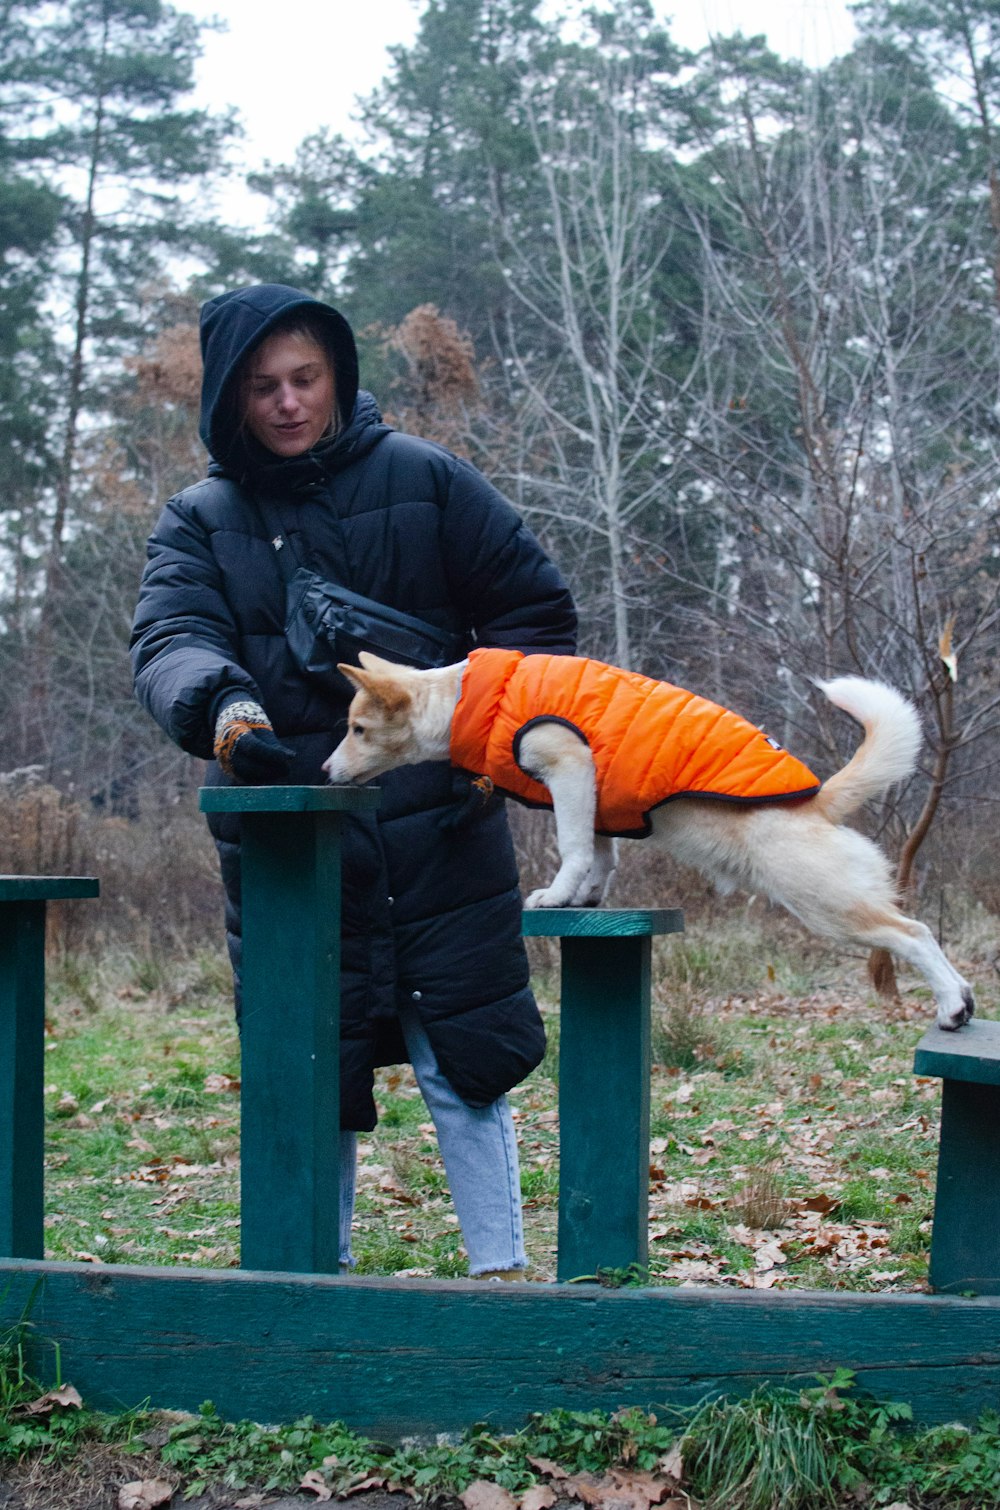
(433, 964)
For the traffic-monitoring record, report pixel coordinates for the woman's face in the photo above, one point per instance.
(289, 393)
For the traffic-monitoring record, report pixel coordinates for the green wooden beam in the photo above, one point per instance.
(22, 1046)
(289, 799)
(965, 1238)
(393, 1358)
(290, 1119)
(48, 888)
(604, 1073)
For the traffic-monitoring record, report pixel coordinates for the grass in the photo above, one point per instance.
(790, 1143)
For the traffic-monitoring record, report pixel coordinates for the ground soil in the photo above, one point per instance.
(93, 1482)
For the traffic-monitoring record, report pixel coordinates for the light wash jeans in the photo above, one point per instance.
(479, 1150)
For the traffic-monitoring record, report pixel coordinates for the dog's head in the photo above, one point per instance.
(379, 723)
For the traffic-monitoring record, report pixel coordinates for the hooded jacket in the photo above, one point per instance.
(431, 907)
(650, 741)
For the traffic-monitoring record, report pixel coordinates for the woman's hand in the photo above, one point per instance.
(246, 746)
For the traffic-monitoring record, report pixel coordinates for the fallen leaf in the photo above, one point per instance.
(484, 1495)
(618, 1490)
(64, 1398)
(671, 1465)
(538, 1497)
(216, 1084)
(316, 1484)
(550, 1469)
(145, 1494)
(820, 1202)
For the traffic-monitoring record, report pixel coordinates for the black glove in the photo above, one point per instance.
(246, 747)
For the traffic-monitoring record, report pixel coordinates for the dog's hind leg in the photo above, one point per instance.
(559, 758)
(913, 942)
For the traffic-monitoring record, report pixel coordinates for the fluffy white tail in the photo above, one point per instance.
(888, 752)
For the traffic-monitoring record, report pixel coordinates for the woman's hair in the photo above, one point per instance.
(305, 325)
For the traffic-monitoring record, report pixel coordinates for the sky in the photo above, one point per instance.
(289, 79)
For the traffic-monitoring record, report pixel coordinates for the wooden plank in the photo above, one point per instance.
(22, 1109)
(970, 1054)
(419, 1356)
(47, 888)
(289, 799)
(604, 1071)
(598, 922)
(290, 1040)
(965, 1238)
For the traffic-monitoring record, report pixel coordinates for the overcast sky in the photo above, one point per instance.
(291, 72)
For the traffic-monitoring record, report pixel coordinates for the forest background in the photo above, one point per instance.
(723, 326)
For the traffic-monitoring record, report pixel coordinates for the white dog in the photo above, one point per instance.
(836, 881)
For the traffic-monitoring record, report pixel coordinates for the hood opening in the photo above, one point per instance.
(232, 325)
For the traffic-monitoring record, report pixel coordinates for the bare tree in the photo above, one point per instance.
(581, 341)
(849, 423)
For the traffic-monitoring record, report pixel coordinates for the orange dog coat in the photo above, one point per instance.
(650, 741)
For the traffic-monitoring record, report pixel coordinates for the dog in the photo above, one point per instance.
(792, 847)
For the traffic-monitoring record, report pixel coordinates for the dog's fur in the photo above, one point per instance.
(837, 882)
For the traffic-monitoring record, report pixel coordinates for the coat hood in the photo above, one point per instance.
(232, 325)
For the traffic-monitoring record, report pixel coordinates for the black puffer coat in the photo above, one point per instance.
(431, 906)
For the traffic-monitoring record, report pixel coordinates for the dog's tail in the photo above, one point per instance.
(888, 752)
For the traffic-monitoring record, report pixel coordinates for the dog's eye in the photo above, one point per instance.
(358, 730)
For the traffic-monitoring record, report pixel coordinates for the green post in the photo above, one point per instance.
(22, 1052)
(965, 1239)
(604, 1034)
(289, 1165)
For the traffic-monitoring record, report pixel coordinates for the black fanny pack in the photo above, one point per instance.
(326, 623)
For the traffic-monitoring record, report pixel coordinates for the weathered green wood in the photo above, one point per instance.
(22, 1111)
(604, 1031)
(599, 922)
(290, 1029)
(604, 1065)
(47, 888)
(971, 1054)
(420, 1356)
(965, 1238)
(289, 799)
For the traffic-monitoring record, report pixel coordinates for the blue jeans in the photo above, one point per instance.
(479, 1149)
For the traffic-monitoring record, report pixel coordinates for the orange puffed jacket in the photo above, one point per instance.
(650, 741)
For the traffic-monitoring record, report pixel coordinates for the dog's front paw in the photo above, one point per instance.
(952, 1017)
(546, 896)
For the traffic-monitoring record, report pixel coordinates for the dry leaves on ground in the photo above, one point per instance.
(145, 1494)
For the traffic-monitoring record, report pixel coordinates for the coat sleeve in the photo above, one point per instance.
(184, 643)
(508, 589)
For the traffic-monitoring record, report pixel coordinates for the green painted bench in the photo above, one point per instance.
(965, 1239)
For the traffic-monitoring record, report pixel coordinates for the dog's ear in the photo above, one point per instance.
(383, 689)
(356, 678)
(373, 662)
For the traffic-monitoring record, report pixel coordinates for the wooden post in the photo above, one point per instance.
(604, 1033)
(22, 1050)
(965, 1240)
(289, 1160)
